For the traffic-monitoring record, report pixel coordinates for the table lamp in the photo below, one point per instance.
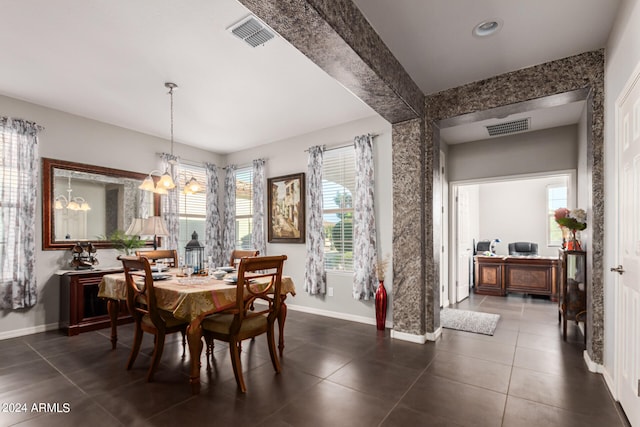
(154, 226)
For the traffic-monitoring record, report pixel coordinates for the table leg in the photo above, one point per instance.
(282, 317)
(113, 308)
(194, 334)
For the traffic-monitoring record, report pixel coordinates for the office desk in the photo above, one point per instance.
(499, 275)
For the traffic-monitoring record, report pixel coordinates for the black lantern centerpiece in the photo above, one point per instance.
(194, 254)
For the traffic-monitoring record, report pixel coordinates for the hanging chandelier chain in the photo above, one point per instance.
(171, 86)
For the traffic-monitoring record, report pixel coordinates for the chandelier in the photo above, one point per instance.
(165, 182)
(72, 203)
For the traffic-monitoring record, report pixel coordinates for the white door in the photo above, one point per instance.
(464, 243)
(444, 236)
(628, 288)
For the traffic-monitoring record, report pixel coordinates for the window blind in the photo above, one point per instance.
(338, 187)
(244, 207)
(192, 207)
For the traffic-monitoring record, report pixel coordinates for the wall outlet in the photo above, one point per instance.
(330, 292)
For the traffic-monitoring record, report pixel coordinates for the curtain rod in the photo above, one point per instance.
(343, 145)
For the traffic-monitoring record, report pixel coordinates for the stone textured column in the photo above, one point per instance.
(409, 276)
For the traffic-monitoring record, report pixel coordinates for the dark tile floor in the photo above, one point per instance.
(335, 373)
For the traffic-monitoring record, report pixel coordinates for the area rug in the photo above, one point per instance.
(469, 321)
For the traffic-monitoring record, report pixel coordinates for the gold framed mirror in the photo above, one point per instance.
(86, 203)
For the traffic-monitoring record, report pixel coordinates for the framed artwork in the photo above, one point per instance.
(286, 209)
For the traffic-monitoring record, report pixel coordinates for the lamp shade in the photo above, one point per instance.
(166, 181)
(135, 229)
(147, 184)
(154, 226)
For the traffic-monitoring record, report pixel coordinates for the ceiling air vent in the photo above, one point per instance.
(509, 127)
(252, 31)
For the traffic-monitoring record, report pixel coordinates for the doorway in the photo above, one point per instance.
(503, 210)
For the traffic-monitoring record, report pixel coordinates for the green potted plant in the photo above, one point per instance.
(125, 243)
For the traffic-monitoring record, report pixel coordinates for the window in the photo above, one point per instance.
(338, 187)
(192, 207)
(244, 207)
(9, 203)
(556, 198)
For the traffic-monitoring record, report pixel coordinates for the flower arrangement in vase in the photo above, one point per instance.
(573, 220)
(381, 294)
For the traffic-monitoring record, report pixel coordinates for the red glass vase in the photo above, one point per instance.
(381, 306)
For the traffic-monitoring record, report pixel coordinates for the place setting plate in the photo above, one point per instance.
(160, 276)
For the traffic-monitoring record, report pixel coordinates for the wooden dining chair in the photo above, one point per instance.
(237, 254)
(170, 255)
(141, 301)
(259, 280)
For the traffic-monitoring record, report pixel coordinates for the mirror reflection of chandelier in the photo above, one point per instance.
(72, 203)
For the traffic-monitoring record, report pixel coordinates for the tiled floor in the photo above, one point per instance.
(335, 373)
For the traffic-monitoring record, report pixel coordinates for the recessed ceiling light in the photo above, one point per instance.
(487, 28)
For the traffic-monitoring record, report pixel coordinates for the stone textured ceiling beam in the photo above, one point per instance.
(337, 37)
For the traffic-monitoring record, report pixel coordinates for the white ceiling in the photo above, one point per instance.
(109, 60)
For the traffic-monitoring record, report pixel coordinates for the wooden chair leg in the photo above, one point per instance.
(271, 341)
(137, 342)
(157, 355)
(184, 343)
(209, 352)
(234, 350)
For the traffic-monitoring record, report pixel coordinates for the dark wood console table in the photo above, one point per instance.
(81, 309)
(499, 275)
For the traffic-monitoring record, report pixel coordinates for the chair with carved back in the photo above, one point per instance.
(169, 255)
(237, 254)
(259, 280)
(141, 302)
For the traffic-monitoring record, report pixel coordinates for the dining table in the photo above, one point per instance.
(189, 298)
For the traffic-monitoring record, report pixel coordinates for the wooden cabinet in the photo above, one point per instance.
(488, 273)
(572, 301)
(531, 275)
(80, 308)
(499, 275)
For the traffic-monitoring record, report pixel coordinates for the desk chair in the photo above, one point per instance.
(523, 248)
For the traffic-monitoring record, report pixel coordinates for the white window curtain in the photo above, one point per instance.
(364, 222)
(257, 231)
(229, 231)
(212, 241)
(315, 279)
(170, 202)
(18, 184)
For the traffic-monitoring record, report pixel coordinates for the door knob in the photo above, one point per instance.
(618, 269)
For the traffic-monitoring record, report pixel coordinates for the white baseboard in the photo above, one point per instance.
(28, 331)
(433, 336)
(418, 339)
(591, 365)
(608, 379)
(336, 315)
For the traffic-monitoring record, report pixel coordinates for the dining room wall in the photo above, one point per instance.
(289, 156)
(78, 139)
